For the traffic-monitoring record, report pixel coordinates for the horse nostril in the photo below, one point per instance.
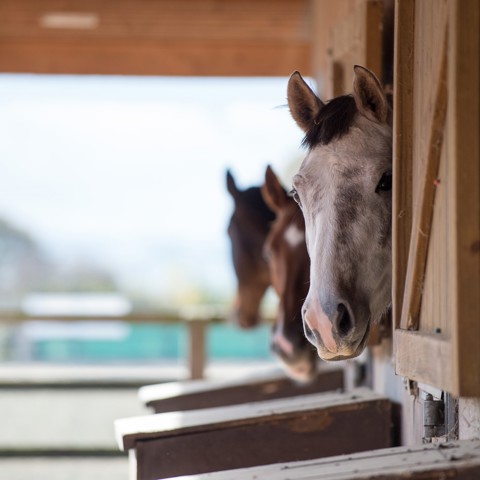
(309, 335)
(343, 322)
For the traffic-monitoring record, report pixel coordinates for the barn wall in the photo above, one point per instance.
(326, 15)
(437, 212)
(346, 32)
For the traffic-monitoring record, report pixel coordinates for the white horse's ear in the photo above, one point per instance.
(369, 95)
(303, 103)
(273, 193)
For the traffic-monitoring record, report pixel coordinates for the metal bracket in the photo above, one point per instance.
(433, 418)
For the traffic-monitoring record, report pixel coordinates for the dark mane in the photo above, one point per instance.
(333, 121)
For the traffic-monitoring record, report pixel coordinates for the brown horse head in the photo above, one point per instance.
(344, 189)
(248, 229)
(289, 265)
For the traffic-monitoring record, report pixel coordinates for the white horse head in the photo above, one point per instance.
(344, 189)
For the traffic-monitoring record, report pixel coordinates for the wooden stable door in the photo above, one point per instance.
(436, 207)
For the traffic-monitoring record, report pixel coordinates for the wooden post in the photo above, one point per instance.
(197, 348)
(402, 149)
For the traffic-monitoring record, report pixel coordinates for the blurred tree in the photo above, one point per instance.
(23, 264)
(82, 276)
(25, 267)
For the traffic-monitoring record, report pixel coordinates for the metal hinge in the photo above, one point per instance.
(433, 418)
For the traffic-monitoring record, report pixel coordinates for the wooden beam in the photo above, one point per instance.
(424, 205)
(147, 57)
(299, 428)
(356, 39)
(459, 460)
(402, 149)
(463, 170)
(209, 394)
(198, 20)
(424, 358)
(164, 37)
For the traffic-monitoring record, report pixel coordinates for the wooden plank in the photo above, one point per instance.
(374, 36)
(256, 433)
(174, 396)
(459, 460)
(147, 57)
(424, 358)
(325, 15)
(165, 37)
(279, 20)
(131, 430)
(423, 208)
(356, 39)
(404, 51)
(464, 173)
(437, 291)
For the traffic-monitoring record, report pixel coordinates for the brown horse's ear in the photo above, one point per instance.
(369, 95)
(231, 185)
(273, 193)
(303, 103)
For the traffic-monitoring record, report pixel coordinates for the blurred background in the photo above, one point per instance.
(114, 257)
(113, 202)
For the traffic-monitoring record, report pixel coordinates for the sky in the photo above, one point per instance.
(128, 173)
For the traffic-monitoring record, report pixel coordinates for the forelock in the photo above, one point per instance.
(333, 121)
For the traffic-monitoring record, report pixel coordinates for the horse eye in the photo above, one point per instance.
(294, 194)
(385, 183)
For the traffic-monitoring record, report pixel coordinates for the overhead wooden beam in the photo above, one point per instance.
(165, 37)
(144, 57)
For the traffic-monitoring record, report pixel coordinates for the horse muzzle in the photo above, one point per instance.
(338, 336)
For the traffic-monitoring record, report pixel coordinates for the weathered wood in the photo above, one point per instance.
(402, 150)
(459, 460)
(423, 357)
(431, 19)
(182, 396)
(356, 39)
(299, 428)
(325, 15)
(442, 289)
(464, 172)
(423, 208)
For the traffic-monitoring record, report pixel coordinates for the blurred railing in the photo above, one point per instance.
(197, 320)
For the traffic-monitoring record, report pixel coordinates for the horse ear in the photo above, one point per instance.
(369, 95)
(303, 103)
(273, 193)
(231, 185)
